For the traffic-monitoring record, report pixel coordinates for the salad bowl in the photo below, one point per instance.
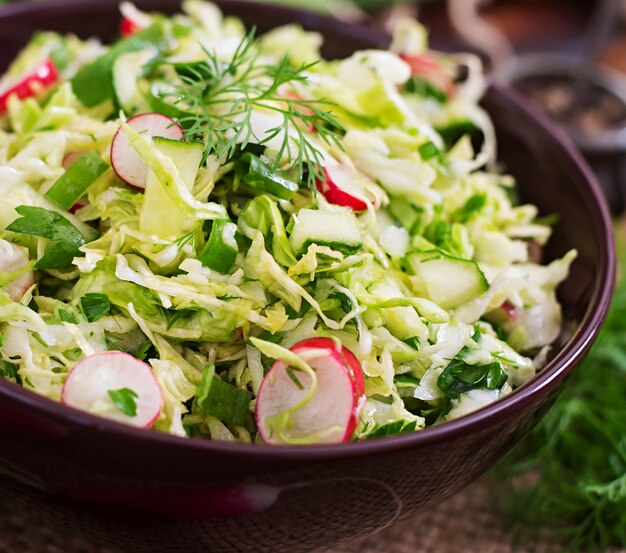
(144, 491)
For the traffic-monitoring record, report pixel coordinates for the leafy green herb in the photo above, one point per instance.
(294, 378)
(181, 314)
(67, 238)
(95, 305)
(143, 352)
(569, 473)
(459, 377)
(124, 400)
(222, 400)
(423, 87)
(219, 98)
(67, 316)
(429, 150)
(473, 205)
(9, 371)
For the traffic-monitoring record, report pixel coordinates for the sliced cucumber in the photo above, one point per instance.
(159, 214)
(448, 281)
(186, 155)
(79, 176)
(221, 249)
(259, 174)
(127, 70)
(336, 229)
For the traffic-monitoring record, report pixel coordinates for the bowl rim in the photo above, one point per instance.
(549, 376)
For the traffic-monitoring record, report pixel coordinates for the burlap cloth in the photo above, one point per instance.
(466, 523)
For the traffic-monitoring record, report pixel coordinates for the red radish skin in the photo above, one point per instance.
(336, 402)
(425, 66)
(88, 384)
(70, 158)
(125, 160)
(128, 27)
(13, 258)
(340, 193)
(80, 203)
(42, 78)
(509, 310)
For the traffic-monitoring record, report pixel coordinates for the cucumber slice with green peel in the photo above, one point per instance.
(159, 215)
(187, 157)
(221, 399)
(448, 281)
(76, 180)
(127, 70)
(221, 249)
(336, 229)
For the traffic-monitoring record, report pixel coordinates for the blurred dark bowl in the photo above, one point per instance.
(144, 491)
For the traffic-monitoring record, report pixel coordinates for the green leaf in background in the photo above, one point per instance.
(569, 474)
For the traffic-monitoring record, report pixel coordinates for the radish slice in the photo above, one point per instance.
(133, 20)
(332, 413)
(45, 76)
(13, 258)
(88, 385)
(427, 67)
(509, 309)
(340, 188)
(128, 27)
(125, 160)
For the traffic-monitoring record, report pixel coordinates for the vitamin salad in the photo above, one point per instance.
(213, 233)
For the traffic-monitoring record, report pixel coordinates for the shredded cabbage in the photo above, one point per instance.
(407, 150)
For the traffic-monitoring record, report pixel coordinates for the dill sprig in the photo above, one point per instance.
(569, 475)
(220, 96)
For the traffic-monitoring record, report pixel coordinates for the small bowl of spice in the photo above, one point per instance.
(589, 103)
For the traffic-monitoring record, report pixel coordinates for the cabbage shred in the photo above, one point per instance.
(131, 275)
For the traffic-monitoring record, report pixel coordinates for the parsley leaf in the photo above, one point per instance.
(53, 226)
(95, 305)
(124, 400)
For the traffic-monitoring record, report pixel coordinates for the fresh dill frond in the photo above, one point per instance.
(219, 97)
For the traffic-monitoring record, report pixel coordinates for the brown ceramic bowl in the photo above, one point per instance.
(144, 491)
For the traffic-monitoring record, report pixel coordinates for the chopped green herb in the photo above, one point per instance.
(294, 378)
(124, 400)
(67, 316)
(95, 305)
(459, 377)
(67, 238)
(429, 150)
(470, 208)
(391, 429)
